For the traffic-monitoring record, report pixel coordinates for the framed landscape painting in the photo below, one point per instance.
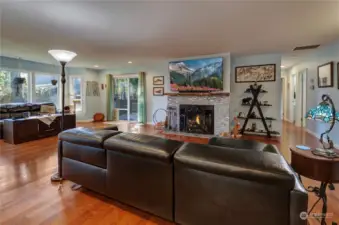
(196, 75)
(255, 73)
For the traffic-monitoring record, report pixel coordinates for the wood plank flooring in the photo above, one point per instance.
(27, 197)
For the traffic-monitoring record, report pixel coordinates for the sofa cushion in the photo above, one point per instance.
(237, 143)
(263, 167)
(35, 107)
(87, 136)
(5, 116)
(18, 107)
(3, 108)
(143, 145)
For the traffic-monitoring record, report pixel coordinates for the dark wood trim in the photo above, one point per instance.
(198, 94)
(275, 73)
(331, 85)
(163, 80)
(158, 94)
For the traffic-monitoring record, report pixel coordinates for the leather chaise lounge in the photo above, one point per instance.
(225, 182)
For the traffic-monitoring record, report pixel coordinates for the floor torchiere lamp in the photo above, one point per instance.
(325, 112)
(63, 57)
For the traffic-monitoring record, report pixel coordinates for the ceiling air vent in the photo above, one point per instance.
(306, 47)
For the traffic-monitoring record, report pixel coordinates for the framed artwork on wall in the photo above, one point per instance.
(338, 73)
(255, 73)
(158, 91)
(197, 75)
(325, 75)
(158, 80)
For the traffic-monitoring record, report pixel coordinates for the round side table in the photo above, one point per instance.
(316, 168)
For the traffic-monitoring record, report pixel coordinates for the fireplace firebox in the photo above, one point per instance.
(197, 119)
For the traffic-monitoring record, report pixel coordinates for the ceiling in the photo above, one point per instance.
(114, 32)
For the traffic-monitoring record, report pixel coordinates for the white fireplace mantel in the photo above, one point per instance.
(220, 101)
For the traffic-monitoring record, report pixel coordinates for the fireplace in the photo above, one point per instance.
(197, 119)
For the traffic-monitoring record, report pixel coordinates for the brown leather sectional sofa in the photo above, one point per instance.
(17, 110)
(225, 182)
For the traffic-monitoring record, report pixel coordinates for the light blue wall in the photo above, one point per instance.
(26, 65)
(92, 104)
(274, 89)
(318, 57)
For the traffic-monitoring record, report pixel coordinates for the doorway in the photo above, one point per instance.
(126, 97)
(294, 98)
(302, 96)
(282, 103)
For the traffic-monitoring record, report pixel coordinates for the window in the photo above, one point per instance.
(76, 93)
(45, 91)
(13, 87)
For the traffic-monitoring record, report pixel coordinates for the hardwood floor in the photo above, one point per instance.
(28, 197)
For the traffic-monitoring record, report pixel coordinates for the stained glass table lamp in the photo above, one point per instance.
(325, 112)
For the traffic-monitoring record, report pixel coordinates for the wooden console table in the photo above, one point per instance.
(29, 129)
(317, 168)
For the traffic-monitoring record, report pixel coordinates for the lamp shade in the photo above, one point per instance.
(322, 112)
(62, 55)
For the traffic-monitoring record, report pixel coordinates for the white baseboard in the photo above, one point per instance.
(311, 132)
(285, 119)
(318, 136)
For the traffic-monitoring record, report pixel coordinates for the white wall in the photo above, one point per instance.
(153, 68)
(274, 89)
(317, 57)
(92, 104)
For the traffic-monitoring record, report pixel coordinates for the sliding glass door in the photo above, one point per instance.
(126, 97)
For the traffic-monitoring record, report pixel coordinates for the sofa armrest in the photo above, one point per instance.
(298, 202)
(298, 198)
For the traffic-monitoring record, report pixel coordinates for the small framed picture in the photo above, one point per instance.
(158, 91)
(158, 80)
(325, 75)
